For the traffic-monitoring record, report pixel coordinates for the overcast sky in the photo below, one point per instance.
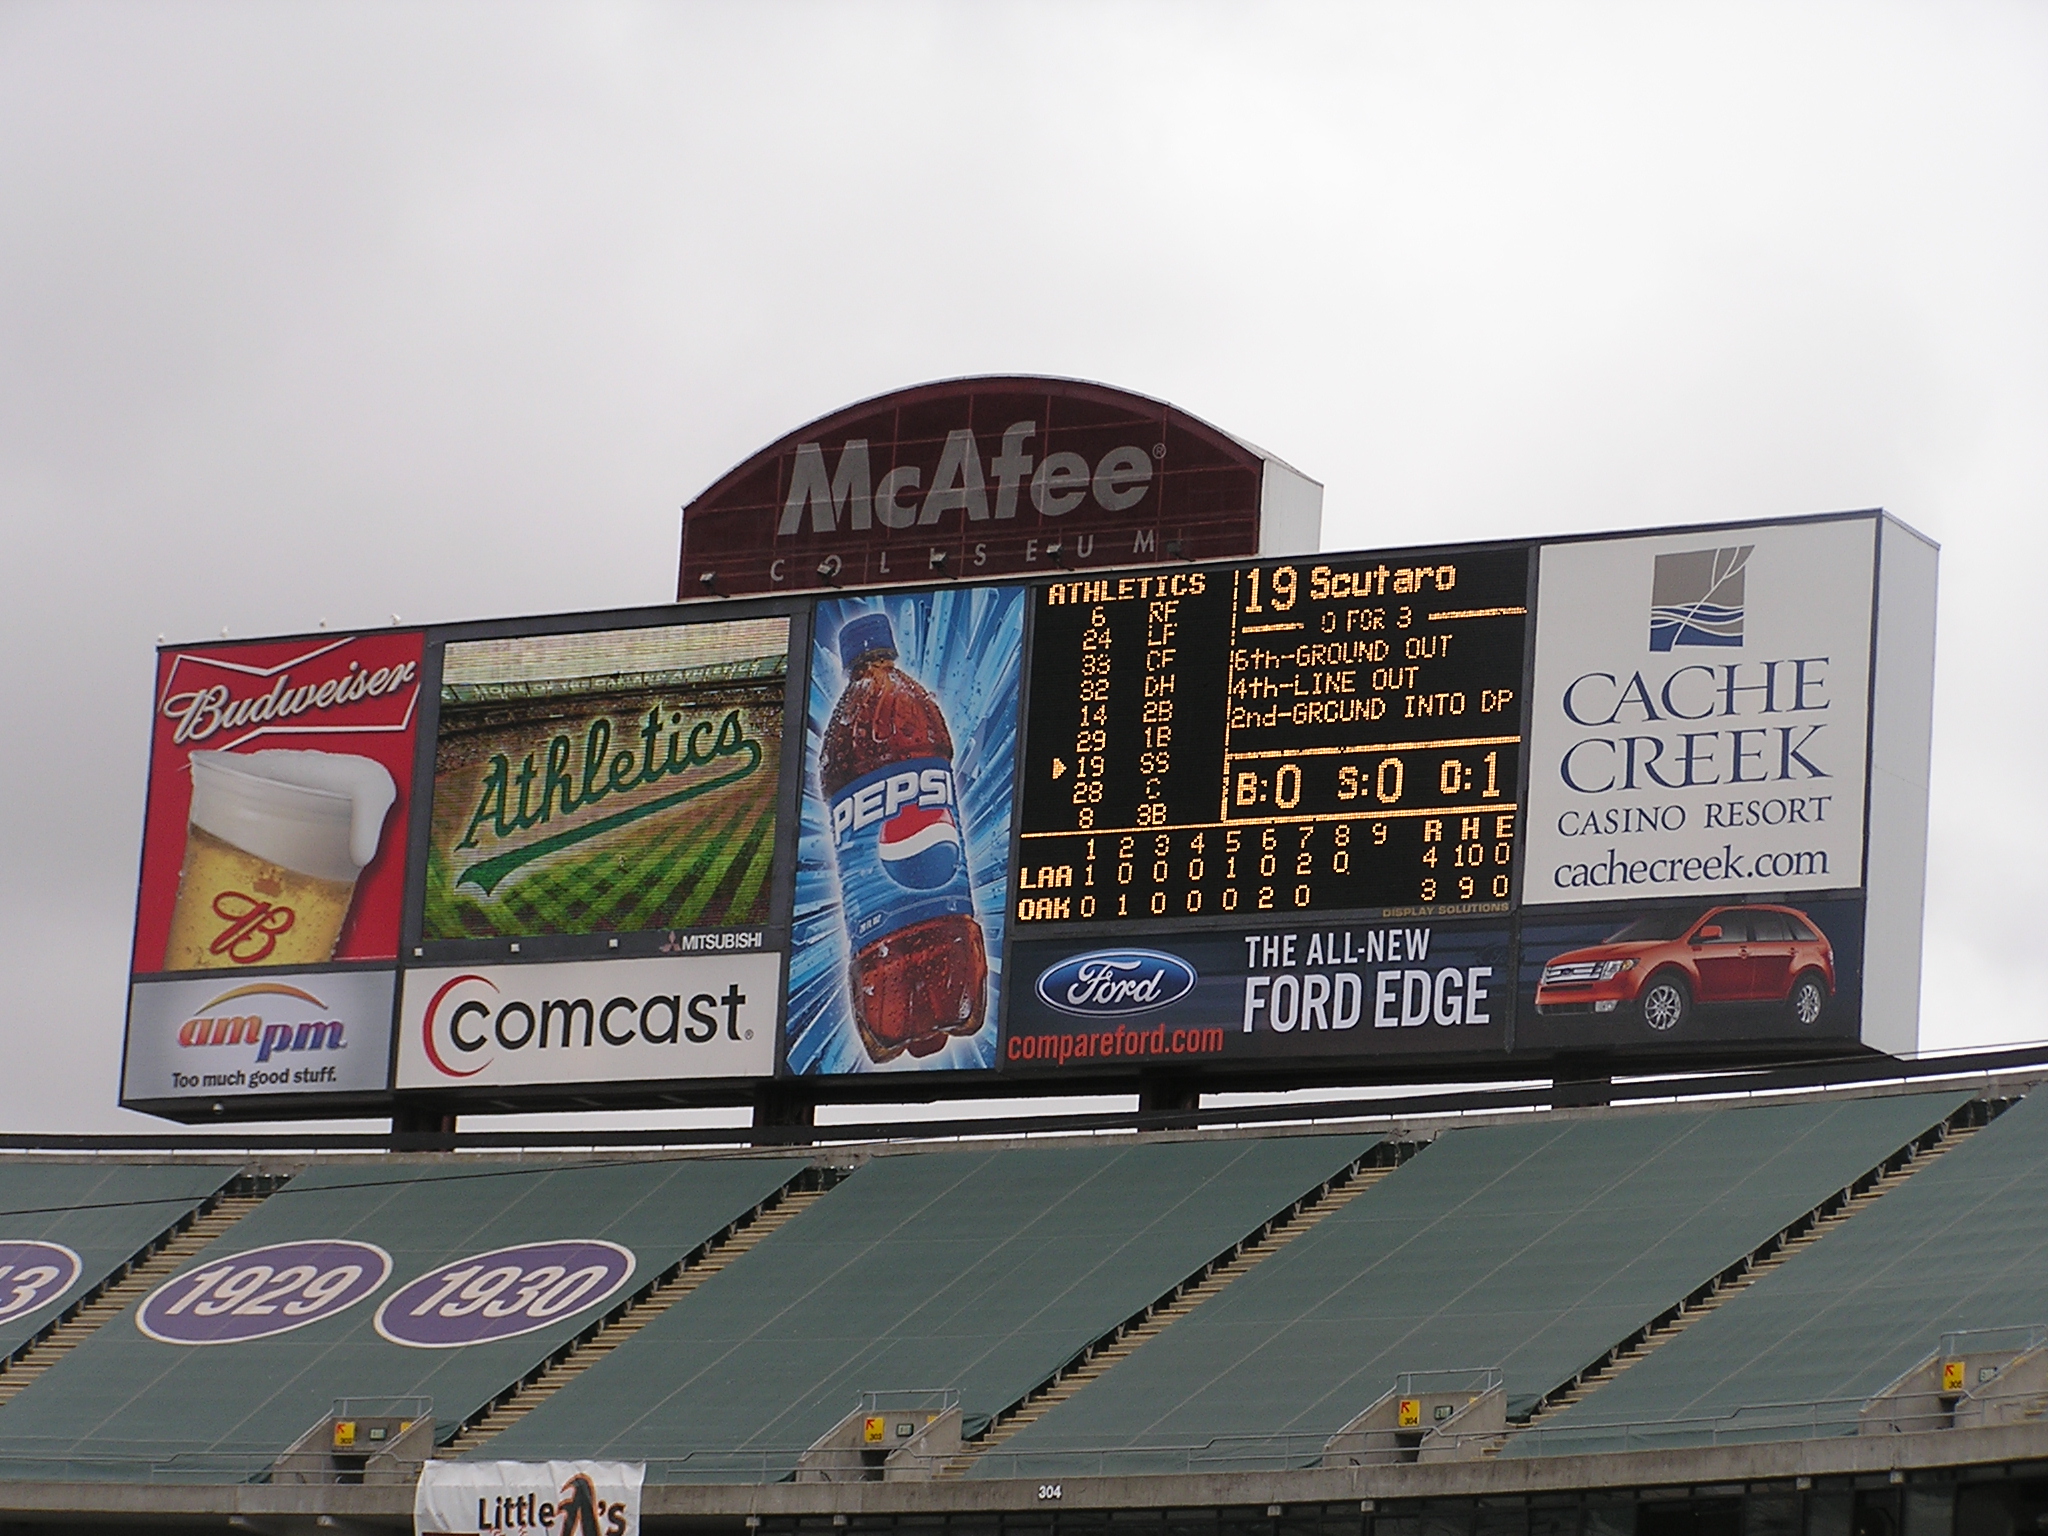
(339, 311)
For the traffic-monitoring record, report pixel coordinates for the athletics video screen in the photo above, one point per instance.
(620, 781)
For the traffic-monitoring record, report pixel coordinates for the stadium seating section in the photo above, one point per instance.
(125, 1405)
(1531, 1248)
(981, 1271)
(106, 1213)
(1961, 1246)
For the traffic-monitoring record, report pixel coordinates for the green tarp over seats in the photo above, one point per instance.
(981, 1271)
(104, 1212)
(123, 1405)
(1960, 1245)
(1533, 1248)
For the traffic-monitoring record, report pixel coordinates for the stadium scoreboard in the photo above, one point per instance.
(1284, 819)
(1307, 736)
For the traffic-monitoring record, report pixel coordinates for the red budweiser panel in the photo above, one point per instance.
(974, 479)
(344, 708)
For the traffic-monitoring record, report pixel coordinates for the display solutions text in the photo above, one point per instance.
(1313, 736)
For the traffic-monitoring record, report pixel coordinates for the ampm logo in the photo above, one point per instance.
(1696, 598)
(216, 1024)
(1116, 983)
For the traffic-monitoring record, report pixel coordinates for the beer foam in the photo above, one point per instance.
(321, 813)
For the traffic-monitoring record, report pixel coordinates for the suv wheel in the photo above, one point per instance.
(1807, 1000)
(1666, 1002)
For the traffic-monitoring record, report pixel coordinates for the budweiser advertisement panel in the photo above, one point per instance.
(1641, 800)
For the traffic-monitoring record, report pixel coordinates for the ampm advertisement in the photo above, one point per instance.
(1361, 991)
(1700, 721)
(903, 864)
(279, 773)
(597, 1021)
(197, 1041)
(614, 782)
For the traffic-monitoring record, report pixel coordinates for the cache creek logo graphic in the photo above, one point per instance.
(1696, 598)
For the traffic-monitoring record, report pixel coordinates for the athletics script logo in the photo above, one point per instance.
(571, 782)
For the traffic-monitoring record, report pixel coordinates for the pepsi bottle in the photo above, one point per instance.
(919, 967)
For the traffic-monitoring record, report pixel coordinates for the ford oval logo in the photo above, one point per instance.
(1112, 983)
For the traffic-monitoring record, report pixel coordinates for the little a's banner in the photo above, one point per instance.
(594, 1021)
(528, 1498)
(215, 1039)
(279, 779)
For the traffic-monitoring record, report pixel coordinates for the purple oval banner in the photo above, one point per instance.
(264, 1291)
(504, 1293)
(33, 1274)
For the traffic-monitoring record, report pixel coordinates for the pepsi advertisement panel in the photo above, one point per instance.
(1312, 994)
(903, 865)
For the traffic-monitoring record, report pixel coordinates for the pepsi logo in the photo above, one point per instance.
(1115, 983)
(920, 846)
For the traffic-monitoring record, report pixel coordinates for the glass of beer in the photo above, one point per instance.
(274, 846)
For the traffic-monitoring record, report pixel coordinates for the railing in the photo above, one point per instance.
(2016, 1339)
(910, 1400)
(1751, 1424)
(383, 1408)
(1477, 1378)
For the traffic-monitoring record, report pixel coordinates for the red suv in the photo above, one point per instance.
(1665, 964)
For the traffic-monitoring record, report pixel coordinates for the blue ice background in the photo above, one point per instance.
(966, 647)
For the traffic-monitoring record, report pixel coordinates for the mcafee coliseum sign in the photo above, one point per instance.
(987, 477)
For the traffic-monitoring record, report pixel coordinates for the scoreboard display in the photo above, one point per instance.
(1314, 736)
(1645, 797)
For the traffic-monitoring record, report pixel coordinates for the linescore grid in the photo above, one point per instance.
(1276, 738)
